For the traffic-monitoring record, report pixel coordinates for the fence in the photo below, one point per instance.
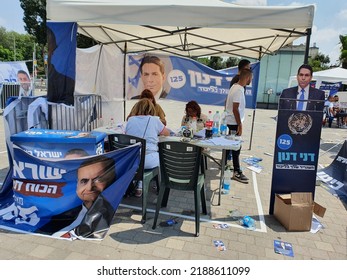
(84, 115)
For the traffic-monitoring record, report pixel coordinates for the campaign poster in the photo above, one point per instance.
(183, 79)
(61, 61)
(296, 152)
(71, 198)
(14, 80)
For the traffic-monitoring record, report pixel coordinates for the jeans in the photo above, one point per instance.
(235, 154)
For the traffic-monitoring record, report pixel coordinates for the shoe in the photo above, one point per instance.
(238, 176)
(138, 192)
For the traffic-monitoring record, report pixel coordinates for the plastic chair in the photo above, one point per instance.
(118, 141)
(180, 165)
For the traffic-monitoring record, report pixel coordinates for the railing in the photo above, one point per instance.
(8, 90)
(84, 115)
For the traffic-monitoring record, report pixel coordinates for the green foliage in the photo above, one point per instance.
(217, 63)
(35, 19)
(15, 46)
(343, 55)
(319, 62)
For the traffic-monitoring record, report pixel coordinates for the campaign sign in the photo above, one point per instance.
(73, 198)
(296, 152)
(183, 79)
(51, 143)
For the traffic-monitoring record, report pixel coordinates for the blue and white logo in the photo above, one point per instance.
(284, 142)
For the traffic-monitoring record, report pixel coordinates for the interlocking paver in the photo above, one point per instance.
(128, 239)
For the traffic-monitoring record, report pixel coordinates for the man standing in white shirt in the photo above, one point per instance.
(235, 106)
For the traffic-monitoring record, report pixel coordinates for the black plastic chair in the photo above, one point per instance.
(118, 141)
(180, 165)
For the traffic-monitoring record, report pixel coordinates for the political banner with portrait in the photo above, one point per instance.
(296, 152)
(73, 198)
(61, 60)
(14, 80)
(183, 79)
(330, 88)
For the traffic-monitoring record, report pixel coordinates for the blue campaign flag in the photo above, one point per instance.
(56, 197)
(184, 79)
(330, 88)
(61, 40)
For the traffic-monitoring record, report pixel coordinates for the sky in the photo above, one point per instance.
(330, 20)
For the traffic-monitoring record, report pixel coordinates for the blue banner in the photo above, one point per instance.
(67, 198)
(184, 79)
(296, 152)
(61, 40)
(330, 88)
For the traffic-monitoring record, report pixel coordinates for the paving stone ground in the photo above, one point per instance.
(128, 239)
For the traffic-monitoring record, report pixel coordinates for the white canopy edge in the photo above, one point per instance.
(187, 28)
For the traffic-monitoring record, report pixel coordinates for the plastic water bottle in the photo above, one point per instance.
(111, 123)
(193, 124)
(223, 125)
(100, 122)
(227, 181)
(247, 221)
(216, 123)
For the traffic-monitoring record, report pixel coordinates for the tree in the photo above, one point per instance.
(35, 19)
(15, 46)
(343, 55)
(319, 62)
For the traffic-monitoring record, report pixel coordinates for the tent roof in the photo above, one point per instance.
(337, 74)
(187, 28)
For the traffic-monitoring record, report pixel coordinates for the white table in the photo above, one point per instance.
(220, 144)
(217, 144)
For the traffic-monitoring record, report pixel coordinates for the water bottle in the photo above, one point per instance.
(223, 125)
(193, 125)
(111, 123)
(100, 122)
(216, 122)
(227, 181)
(247, 221)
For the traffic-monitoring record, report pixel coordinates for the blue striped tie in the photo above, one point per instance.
(301, 101)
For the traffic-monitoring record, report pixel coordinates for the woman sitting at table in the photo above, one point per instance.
(143, 123)
(193, 110)
(158, 110)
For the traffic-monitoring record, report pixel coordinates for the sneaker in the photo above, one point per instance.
(138, 192)
(238, 176)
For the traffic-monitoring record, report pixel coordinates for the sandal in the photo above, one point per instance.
(138, 192)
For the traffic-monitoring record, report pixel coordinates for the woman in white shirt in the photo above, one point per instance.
(144, 124)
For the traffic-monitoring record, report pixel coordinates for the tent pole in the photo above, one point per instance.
(307, 50)
(251, 138)
(124, 80)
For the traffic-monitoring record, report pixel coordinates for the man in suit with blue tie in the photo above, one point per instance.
(303, 97)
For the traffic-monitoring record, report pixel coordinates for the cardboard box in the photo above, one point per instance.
(294, 211)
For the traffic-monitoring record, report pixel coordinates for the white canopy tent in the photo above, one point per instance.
(187, 28)
(332, 75)
(180, 27)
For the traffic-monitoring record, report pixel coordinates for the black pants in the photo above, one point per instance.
(235, 154)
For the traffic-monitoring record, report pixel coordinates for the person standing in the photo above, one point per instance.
(303, 97)
(243, 64)
(235, 107)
